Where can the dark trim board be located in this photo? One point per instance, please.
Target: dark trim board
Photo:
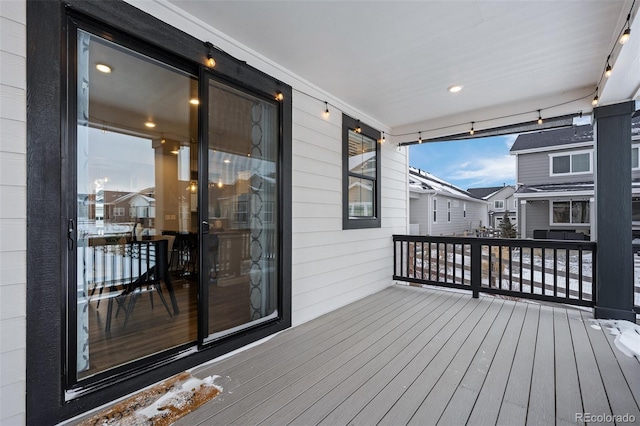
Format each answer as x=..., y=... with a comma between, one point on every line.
x=48, y=210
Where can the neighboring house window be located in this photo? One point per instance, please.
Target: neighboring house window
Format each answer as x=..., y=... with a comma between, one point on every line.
x=515, y=204
x=241, y=212
x=448, y=211
x=635, y=151
x=498, y=204
x=435, y=210
x=569, y=212
x=574, y=163
x=118, y=211
x=132, y=212
x=464, y=209
x=361, y=175
x=267, y=212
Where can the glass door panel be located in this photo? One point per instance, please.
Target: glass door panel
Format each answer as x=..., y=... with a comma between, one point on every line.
x=137, y=210
x=241, y=247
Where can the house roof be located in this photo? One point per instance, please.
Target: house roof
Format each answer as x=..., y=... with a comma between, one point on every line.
x=566, y=136
x=555, y=187
x=421, y=181
x=484, y=193
x=567, y=187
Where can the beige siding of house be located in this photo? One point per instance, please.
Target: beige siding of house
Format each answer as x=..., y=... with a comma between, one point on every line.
x=13, y=190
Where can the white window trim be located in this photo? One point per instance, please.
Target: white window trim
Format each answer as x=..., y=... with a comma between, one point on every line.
x=498, y=208
x=571, y=154
x=636, y=145
x=571, y=224
x=448, y=211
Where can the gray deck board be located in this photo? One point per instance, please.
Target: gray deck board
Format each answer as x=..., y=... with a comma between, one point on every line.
x=542, y=407
x=459, y=407
x=432, y=407
x=620, y=397
x=347, y=408
x=286, y=404
x=379, y=406
x=594, y=397
x=420, y=356
x=310, y=364
x=487, y=406
x=568, y=395
x=515, y=402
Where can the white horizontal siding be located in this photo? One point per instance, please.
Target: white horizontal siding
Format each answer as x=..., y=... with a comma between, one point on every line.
x=13, y=224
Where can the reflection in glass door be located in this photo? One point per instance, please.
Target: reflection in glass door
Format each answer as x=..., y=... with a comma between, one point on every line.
x=241, y=245
x=136, y=207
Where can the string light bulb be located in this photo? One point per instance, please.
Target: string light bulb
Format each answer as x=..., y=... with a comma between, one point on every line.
x=358, y=129
x=471, y=132
x=419, y=137
x=627, y=33
x=210, y=61
x=383, y=139
x=326, y=110
x=608, y=71
x=595, y=100
x=279, y=96
x=539, y=117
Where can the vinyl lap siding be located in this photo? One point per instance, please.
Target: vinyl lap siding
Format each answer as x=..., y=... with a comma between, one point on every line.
x=331, y=266
x=12, y=212
x=533, y=169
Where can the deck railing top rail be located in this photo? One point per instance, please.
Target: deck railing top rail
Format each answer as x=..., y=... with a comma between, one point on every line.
x=548, y=270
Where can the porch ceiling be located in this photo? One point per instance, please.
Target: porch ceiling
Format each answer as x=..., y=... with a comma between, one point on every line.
x=394, y=60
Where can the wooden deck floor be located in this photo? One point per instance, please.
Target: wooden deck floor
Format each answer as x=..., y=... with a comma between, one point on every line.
x=419, y=356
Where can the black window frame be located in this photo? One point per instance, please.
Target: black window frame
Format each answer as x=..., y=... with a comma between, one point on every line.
x=349, y=123
x=49, y=202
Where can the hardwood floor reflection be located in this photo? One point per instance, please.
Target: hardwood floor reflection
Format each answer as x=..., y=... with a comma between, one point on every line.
x=151, y=330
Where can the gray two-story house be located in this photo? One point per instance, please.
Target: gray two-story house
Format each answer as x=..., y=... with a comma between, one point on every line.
x=501, y=201
x=555, y=182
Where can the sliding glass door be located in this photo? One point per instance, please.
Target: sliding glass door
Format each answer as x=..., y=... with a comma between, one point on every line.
x=136, y=206
x=241, y=235
x=173, y=237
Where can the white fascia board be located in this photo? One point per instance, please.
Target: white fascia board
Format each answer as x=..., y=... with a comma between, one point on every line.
x=554, y=194
x=553, y=148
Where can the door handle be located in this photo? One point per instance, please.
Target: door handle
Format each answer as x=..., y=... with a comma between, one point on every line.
x=205, y=227
x=70, y=234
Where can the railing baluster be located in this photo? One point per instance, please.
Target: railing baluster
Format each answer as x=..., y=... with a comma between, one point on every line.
x=422, y=260
x=544, y=271
x=567, y=272
x=510, y=268
x=521, y=275
x=555, y=272
x=580, y=275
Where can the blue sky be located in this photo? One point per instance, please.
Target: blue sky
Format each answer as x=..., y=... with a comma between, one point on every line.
x=470, y=163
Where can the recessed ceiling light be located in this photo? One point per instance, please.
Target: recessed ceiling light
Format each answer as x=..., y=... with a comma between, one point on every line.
x=227, y=161
x=456, y=88
x=176, y=151
x=194, y=101
x=150, y=124
x=103, y=68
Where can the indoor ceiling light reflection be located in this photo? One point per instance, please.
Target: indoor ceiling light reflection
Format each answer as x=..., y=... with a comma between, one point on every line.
x=150, y=124
x=194, y=101
x=103, y=68
x=455, y=88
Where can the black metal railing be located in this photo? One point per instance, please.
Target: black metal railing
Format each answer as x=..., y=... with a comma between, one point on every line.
x=547, y=270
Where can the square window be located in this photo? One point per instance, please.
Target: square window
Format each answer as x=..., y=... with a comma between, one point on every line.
x=561, y=164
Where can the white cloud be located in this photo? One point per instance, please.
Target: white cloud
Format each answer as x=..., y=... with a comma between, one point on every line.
x=487, y=171
x=509, y=140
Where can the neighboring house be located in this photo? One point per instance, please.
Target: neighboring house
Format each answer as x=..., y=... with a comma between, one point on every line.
x=437, y=207
x=555, y=179
x=501, y=201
